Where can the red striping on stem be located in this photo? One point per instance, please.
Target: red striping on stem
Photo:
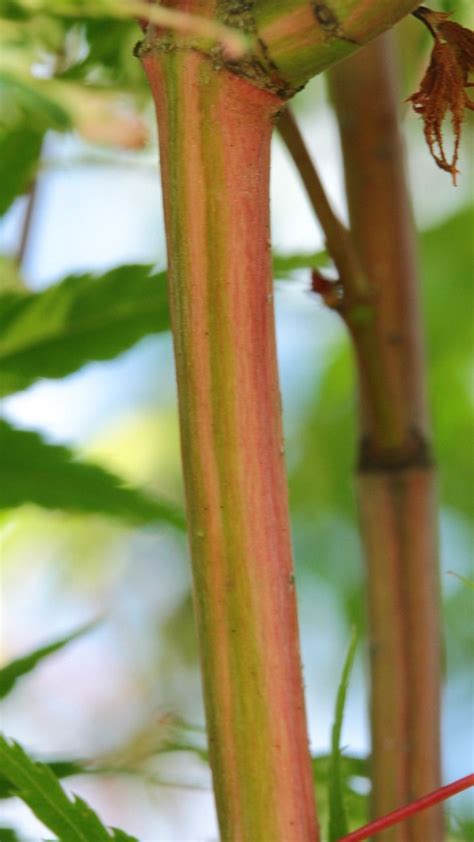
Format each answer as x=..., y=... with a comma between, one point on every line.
x=403, y=813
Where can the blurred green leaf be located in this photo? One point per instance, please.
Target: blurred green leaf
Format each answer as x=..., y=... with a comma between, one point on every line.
x=26, y=104
x=82, y=318
x=10, y=673
x=447, y=252
x=96, y=45
x=26, y=115
x=48, y=475
x=20, y=149
x=338, y=823
x=354, y=774
x=351, y=765
x=325, y=442
x=72, y=820
x=285, y=264
x=7, y=834
x=11, y=279
x=12, y=10
x=109, y=58
x=461, y=10
x=59, y=768
x=461, y=829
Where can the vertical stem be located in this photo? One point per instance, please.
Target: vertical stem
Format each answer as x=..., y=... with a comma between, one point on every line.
x=215, y=132
x=396, y=477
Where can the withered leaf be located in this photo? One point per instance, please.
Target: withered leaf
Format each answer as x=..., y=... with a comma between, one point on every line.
x=443, y=89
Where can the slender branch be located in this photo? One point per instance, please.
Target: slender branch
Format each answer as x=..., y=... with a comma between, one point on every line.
x=397, y=816
x=27, y=225
x=338, y=238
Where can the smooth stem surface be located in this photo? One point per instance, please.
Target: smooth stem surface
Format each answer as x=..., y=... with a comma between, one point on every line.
x=396, y=479
x=215, y=134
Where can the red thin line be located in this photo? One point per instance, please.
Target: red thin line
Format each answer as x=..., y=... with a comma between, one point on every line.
x=404, y=812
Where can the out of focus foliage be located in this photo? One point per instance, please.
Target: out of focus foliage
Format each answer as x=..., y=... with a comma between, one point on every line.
x=66, y=68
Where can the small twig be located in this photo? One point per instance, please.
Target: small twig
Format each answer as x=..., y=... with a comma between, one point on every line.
x=338, y=238
x=403, y=813
x=27, y=225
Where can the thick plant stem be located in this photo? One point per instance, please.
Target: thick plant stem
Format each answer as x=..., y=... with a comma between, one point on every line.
x=215, y=132
x=277, y=44
x=396, y=478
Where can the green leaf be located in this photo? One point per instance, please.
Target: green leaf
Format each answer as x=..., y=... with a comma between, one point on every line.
x=285, y=264
x=27, y=113
x=26, y=103
x=10, y=673
x=71, y=820
x=461, y=828
x=82, y=318
x=338, y=824
x=48, y=475
x=7, y=834
x=12, y=10
x=59, y=768
x=20, y=150
x=11, y=279
x=447, y=252
x=352, y=765
x=107, y=61
x=354, y=771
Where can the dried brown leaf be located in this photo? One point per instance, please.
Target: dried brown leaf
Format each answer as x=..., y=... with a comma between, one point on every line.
x=443, y=88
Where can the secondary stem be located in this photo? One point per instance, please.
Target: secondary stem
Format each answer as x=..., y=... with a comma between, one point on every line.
x=337, y=237
x=215, y=132
x=396, y=477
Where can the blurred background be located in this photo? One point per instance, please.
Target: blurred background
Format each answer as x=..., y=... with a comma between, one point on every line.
x=79, y=174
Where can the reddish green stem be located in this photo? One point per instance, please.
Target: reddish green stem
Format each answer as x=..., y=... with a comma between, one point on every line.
x=396, y=483
x=215, y=132
x=397, y=816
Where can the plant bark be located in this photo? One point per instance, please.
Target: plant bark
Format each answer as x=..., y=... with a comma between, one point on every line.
x=396, y=483
x=215, y=132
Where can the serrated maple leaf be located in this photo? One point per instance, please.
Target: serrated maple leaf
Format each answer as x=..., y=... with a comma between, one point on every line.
x=443, y=87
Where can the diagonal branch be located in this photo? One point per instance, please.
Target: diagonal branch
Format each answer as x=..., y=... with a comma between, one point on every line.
x=403, y=813
x=338, y=238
